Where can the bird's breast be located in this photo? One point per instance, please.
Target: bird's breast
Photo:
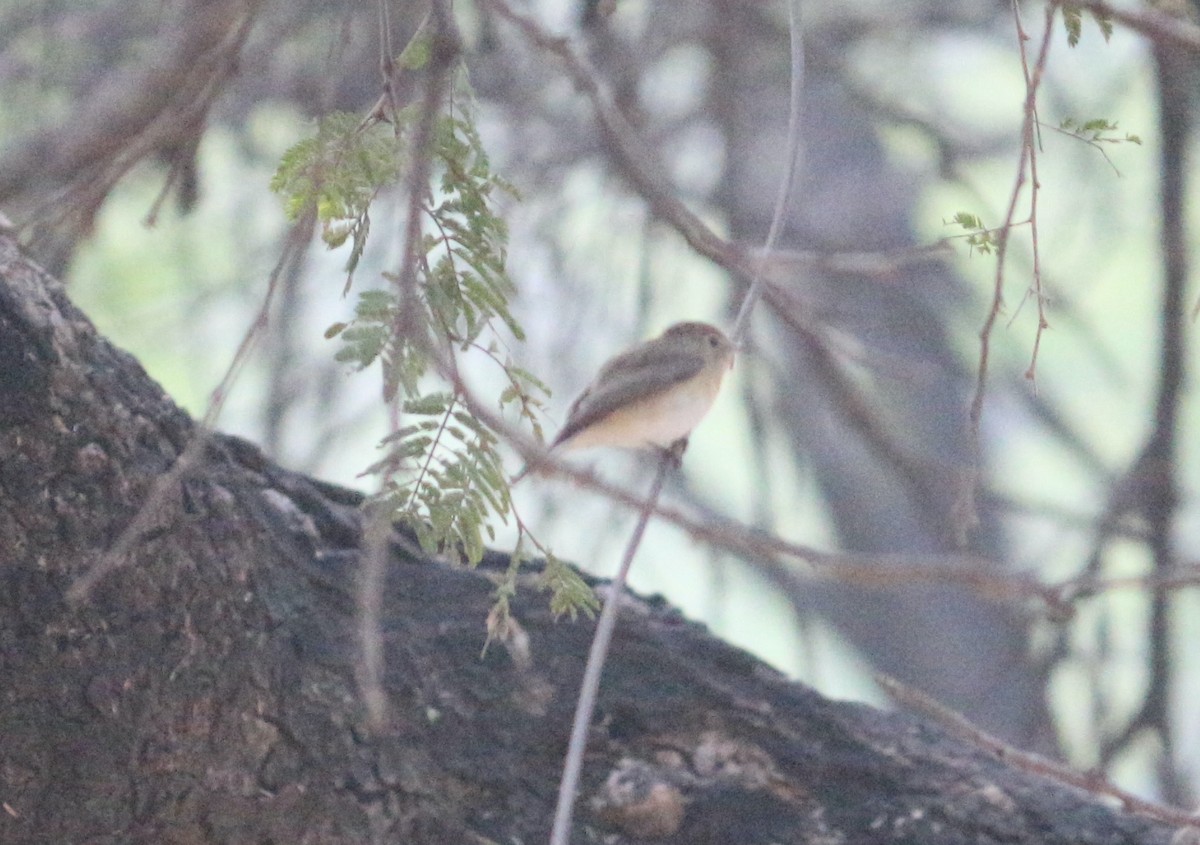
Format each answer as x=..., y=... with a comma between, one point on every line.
x=657, y=420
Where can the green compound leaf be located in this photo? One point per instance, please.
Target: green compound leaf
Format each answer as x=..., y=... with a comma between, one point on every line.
x=441, y=472
x=1073, y=23
x=978, y=237
x=569, y=594
x=337, y=173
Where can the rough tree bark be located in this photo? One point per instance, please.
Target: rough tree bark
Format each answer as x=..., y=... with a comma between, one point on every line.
x=206, y=690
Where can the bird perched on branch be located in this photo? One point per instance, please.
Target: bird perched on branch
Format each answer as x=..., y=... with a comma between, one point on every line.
x=650, y=396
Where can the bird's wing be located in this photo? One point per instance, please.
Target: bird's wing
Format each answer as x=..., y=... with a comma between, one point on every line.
x=626, y=379
x=633, y=359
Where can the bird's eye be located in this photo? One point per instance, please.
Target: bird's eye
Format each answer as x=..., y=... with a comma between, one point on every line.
x=713, y=341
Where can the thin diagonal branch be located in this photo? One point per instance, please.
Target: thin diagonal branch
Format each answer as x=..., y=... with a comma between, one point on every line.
x=590, y=686
x=965, y=514
x=794, y=159
x=160, y=495
x=1033, y=763
x=446, y=47
x=628, y=152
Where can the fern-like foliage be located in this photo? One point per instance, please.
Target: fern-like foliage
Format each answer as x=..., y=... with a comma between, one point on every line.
x=463, y=282
x=441, y=472
x=468, y=284
x=443, y=477
x=337, y=173
x=1073, y=23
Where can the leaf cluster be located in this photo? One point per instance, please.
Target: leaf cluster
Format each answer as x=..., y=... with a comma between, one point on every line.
x=1098, y=130
x=443, y=477
x=1073, y=23
x=462, y=281
x=465, y=254
x=441, y=471
x=978, y=237
x=337, y=173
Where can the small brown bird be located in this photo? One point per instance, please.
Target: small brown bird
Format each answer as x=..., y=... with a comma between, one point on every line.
x=652, y=395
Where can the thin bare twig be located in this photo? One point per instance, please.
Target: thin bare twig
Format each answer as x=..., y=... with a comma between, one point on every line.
x=1091, y=782
x=872, y=571
x=1035, y=187
x=965, y=514
x=152, y=107
x=627, y=150
x=157, y=502
x=794, y=159
x=187, y=120
x=1094, y=143
x=1157, y=25
x=589, y=688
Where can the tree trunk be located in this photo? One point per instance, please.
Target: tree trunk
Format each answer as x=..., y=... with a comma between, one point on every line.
x=205, y=690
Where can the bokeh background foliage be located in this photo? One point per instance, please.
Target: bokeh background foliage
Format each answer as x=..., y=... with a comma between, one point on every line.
x=139, y=141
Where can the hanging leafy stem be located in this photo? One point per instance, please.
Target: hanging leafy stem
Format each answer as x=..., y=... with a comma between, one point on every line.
x=339, y=171
x=441, y=471
x=1073, y=23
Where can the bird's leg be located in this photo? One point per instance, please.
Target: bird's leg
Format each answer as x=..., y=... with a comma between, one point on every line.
x=674, y=452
